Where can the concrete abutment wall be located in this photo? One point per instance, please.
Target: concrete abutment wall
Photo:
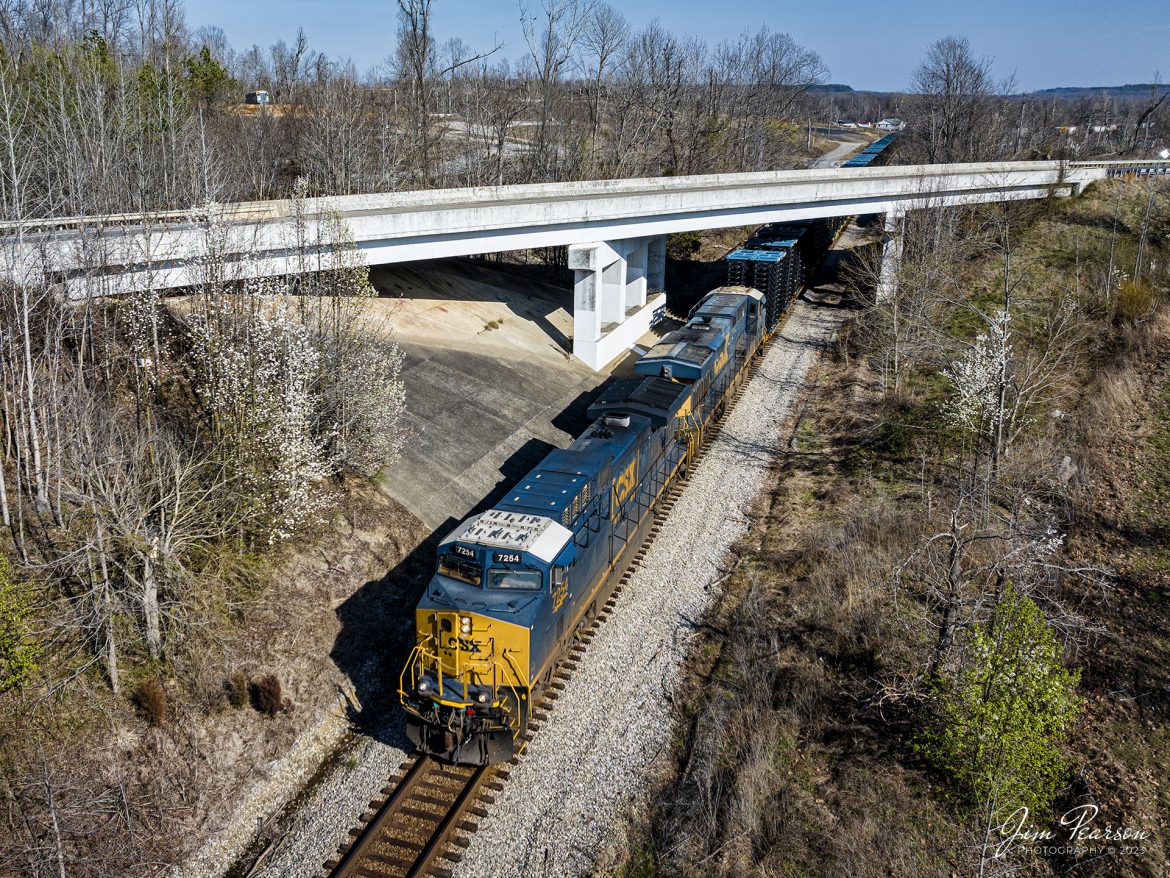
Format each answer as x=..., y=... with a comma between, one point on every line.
x=612, y=305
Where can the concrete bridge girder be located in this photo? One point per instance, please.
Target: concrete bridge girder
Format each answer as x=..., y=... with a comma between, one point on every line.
x=408, y=226
x=267, y=251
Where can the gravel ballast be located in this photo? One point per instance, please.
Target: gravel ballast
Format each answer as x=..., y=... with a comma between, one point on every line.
x=323, y=820
x=559, y=812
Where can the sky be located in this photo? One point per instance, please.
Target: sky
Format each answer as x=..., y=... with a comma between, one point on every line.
x=868, y=44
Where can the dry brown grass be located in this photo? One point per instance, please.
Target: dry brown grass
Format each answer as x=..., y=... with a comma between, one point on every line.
x=1118, y=389
x=1136, y=300
x=786, y=765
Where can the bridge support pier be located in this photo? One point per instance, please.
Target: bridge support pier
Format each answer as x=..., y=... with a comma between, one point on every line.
x=887, y=283
x=611, y=304
x=656, y=264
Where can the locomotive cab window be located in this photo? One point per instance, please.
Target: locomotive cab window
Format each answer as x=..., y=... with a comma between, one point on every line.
x=524, y=579
x=457, y=568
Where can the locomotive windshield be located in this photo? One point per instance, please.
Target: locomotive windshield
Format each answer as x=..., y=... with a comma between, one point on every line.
x=526, y=579
x=457, y=568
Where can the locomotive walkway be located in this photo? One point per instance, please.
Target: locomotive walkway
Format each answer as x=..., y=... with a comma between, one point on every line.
x=615, y=229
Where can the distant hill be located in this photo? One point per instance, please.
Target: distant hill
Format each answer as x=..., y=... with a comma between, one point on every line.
x=1068, y=92
x=1132, y=90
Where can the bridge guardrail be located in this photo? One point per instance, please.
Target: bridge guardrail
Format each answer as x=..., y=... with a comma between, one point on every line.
x=1122, y=167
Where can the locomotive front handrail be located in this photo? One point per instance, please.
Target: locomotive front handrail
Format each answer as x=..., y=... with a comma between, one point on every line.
x=408, y=668
x=522, y=678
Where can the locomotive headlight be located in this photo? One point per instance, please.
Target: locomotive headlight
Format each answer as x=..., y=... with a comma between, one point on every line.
x=423, y=685
x=465, y=624
x=481, y=698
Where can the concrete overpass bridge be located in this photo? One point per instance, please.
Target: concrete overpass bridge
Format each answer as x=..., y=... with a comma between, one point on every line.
x=615, y=229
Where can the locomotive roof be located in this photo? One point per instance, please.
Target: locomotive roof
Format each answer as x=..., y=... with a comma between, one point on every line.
x=691, y=345
x=725, y=302
x=731, y=293
x=656, y=398
x=688, y=349
x=560, y=486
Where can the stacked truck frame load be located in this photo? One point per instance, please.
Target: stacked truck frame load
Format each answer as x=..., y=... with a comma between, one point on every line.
x=810, y=239
x=781, y=258
x=877, y=153
x=777, y=273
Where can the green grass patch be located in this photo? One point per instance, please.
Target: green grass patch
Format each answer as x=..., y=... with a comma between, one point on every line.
x=807, y=438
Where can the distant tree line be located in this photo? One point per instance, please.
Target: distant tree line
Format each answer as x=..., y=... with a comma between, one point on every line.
x=957, y=110
x=118, y=106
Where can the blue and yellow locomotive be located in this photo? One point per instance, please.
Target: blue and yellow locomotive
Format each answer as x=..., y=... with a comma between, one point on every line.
x=513, y=585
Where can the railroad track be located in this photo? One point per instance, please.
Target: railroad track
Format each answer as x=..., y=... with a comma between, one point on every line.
x=431, y=808
x=422, y=824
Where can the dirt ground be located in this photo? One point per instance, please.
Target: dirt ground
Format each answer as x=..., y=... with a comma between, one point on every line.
x=1125, y=734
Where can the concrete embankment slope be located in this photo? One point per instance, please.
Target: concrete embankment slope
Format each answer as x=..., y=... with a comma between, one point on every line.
x=490, y=385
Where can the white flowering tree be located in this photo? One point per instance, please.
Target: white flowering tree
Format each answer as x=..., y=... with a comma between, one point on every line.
x=256, y=366
x=1001, y=389
x=297, y=382
x=361, y=398
x=979, y=378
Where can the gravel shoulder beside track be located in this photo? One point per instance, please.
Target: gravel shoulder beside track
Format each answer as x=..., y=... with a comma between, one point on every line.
x=558, y=813
x=323, y=818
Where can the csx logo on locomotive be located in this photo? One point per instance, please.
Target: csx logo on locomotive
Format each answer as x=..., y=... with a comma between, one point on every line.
x=560, y=592
x=454, y=642
x=722, y=360
x=624, y=485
